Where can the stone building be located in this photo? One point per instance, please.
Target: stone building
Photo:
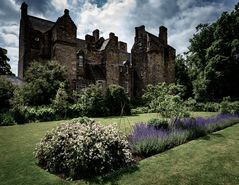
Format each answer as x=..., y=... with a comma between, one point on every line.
x=95, y=59
x=153, y=60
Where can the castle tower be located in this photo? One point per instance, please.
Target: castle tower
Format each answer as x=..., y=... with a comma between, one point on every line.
x=64, y=45
x=153, y=60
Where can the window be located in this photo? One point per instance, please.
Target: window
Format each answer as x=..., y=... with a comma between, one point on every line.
x=37, y=39
x=127, y=87
x=80, y=60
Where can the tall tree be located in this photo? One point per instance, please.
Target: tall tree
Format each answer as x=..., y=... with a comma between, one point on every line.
x=5, y=68
x=182, y=75
x=43, y=81
x=214, y=58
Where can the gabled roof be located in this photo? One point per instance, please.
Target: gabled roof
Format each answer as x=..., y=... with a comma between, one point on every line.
x=154, y=42
x=39, y=24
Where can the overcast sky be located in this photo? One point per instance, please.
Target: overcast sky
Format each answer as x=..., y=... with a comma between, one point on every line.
x=118, y=16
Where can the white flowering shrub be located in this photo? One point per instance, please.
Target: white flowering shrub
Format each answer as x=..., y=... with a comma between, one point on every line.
x=83, y=148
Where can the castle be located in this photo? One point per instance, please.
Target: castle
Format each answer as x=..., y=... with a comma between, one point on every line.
x=95, y=59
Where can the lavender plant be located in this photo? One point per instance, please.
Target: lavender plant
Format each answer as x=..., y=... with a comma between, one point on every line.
x=146, y=140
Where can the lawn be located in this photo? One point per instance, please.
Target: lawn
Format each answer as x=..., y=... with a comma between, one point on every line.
x=209, y=160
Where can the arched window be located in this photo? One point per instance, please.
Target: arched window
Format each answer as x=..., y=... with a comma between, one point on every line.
x=80, y=57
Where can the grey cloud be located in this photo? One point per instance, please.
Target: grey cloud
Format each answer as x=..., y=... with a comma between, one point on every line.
x=7, y=12
x=37, y=6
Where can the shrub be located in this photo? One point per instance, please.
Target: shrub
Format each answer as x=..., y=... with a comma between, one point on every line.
x=146, y=140
x=193, y=105
x=6, y=119
x=140, y=110
x=159, y=123
x=24, y=114
x=166, y=100
x=60, y=103
x=83, y=148
x=228, y=107
x=117, y=101
x=6, y=92
x=91, y=101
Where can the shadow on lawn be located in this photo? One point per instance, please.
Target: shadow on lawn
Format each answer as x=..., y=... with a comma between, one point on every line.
x=112, y=178
x=208, y=137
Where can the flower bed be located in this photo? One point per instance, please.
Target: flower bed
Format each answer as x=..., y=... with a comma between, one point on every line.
x=146, y=140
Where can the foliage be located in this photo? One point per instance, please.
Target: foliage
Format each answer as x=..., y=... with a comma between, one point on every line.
x=213, y=58
x=193, y=105
x=201, y=126
x=159, y=123
x=6, y=92
x=43, y=81
x=117, y=101
x=140, y=110
x=182, y=75
x=60, y=103
x=166, y=100
x=90, y=101
x=146, y=140
x=6, y=119
x=25, y=114
x=83, y=149
x=228, y=107
x=5, y=68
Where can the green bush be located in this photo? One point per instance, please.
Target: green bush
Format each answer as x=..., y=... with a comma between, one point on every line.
x=140, y=110
x=228, y=107
x=117, y=101
x=6, y=119
x=84, y=148
x=159, y=123
x=91, y=101
x=6, y=92
x=193, y=105
x=166, y=100
x=26, y=114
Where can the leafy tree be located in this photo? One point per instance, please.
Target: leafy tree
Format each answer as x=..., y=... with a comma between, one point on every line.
x=182, y=75
x=5, y=68
x=60, y=103
x=92, y=101
x=166, y=100
x=213, y=58
x=6, y=92
x=117, y=100
x=43, y=81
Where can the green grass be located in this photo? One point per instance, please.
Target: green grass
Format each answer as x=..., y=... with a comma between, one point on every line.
x=209, y=160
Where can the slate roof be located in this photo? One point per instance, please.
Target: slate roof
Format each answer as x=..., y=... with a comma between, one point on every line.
x=39, y=24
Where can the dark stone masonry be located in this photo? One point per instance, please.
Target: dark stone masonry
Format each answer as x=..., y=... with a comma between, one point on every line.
x=95, y=59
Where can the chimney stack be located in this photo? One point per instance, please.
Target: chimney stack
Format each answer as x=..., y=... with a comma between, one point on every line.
x=66, y=12
x=163, y=35
x=96, y=35
x=24, y=7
